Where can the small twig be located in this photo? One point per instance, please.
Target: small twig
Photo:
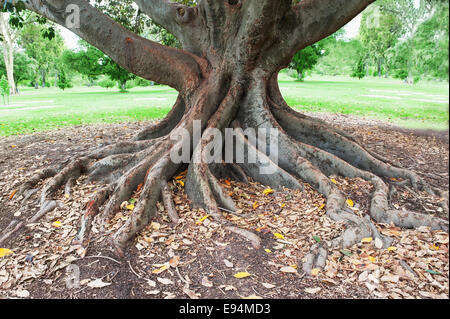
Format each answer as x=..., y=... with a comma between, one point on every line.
x=106, y=257
x=132, y=270
x=181, y=277
x=233, y=213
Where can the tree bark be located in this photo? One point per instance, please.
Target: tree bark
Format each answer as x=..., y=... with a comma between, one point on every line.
x=226, y=76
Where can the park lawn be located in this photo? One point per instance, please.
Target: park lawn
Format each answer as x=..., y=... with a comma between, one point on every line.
x=413, y=106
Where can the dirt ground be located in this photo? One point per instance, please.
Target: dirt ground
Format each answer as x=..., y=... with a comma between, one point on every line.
x=198, y=258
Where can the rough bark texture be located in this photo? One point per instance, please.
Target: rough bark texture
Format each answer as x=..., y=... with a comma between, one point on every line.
x=226, y=75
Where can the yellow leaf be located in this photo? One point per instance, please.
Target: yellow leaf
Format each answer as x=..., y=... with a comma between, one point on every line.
x=160, y=270
x=322, y=206
x=372, y=259
x=181, y=183
x=267, y=250
x=13, y=146
x=253, y=297
x=315, y=271
x=350, y=203
x=392, y=248
x=333, y=181
x=57, y=224
x=277, y=235
x=294, y=266
x=255, y=205
x=367, y=240
x=240, y=275
x=201, y=220
x=130, y=207
x=5, y=252
x=434, y=247
x=268, y=191
x=283, y=205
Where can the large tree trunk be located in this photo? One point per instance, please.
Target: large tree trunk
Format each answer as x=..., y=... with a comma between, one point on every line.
x=227, y=79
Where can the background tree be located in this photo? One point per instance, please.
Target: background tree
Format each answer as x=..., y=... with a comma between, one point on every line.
x=87, y=61
x=307, y=58
x=25, y=68
x=226, y=75
x=8, y=40
x=43, y=50
x=379, y=32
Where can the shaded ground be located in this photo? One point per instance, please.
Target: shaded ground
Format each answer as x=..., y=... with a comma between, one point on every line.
x=198, y=258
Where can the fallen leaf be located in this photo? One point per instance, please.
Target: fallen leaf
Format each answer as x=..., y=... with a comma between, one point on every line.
x=392, y=248
x=288, y=269
x=267, y=250
x=181, y=183
x=160, y=270
x=130, y=206
x=333, y=181
x=313, y=290
x=206, y=282
x=268, y=191
x=201, y=220
x=12, y=194
x=267, y=285
x=228, y=263
x=378, y=243
x=322, y=206
x=174, y=261
x=57, y=224
x=255, y=205
x=315, y=271
x=367, y=240
x=390, y=278
x=98, y=283
x=22, y=293
x=5, y=252
x=316, y=238
x=240, y=275
x=165, y=281
x=191, y=294
x=252, y=297
x=278, y=235
x=346, y=252
x=350, y=203
x=434, y=247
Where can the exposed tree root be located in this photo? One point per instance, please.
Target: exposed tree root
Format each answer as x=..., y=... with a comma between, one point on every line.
x=308, y=149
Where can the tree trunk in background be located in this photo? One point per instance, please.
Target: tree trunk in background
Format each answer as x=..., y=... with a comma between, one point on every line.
x=8, y=50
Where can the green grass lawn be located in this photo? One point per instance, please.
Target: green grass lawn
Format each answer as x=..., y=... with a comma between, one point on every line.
x=417, y=106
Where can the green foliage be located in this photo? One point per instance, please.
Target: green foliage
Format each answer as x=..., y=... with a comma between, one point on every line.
x=340, y=57
x=307, y=58
x=43, y=50
x=106, y=83
x=359, y=71
x=379, y=31
x=4, y=89
x=63, y=81
x=87, y=61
